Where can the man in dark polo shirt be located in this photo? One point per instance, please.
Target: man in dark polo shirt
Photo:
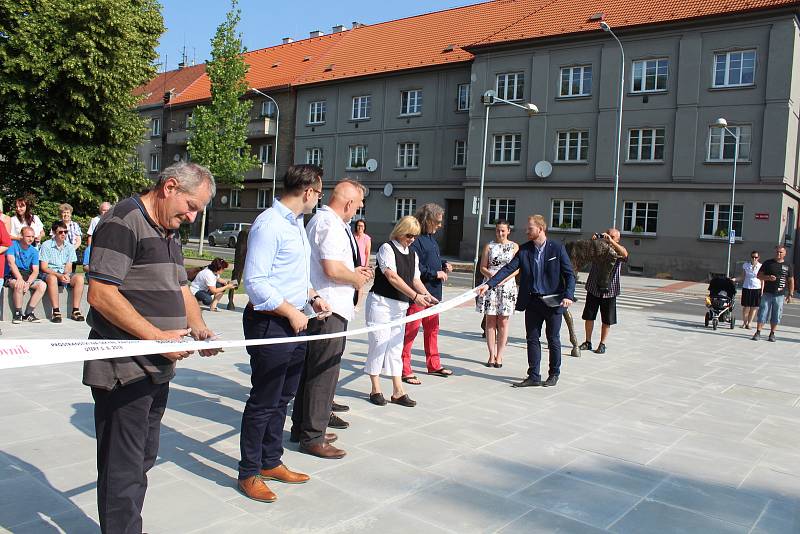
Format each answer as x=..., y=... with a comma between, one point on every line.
x=139, y=290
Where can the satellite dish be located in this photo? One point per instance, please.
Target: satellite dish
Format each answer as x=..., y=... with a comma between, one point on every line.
x=543, y=169
x=372, y=164
x=224, y=200
x=387, y=190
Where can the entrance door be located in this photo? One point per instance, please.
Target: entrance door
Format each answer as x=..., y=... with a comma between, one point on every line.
x=454, y=226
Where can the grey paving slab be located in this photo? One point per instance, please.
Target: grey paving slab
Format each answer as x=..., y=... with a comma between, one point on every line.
x=386, y=520
x=778, y=518
x=650, y=517
x=543, y=522
x=490, y=473
x=622, y=476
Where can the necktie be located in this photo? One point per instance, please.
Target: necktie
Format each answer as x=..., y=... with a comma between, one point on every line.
x=356, y=257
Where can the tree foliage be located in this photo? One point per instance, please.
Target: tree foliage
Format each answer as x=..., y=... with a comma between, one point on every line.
x=218, y=136
x=68, y=68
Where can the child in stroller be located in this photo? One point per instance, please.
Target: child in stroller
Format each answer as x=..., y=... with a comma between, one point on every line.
x=720, y=302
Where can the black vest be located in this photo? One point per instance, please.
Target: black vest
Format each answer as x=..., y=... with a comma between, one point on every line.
x=405, y=269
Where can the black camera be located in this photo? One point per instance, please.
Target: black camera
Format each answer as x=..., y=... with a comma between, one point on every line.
x=598, y=235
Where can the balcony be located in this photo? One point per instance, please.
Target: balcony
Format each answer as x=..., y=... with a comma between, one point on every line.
x=177, y=137
x=261, y=172
x=261, y=127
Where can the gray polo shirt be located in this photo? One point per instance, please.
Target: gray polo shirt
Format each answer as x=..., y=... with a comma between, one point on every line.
x=145, y=262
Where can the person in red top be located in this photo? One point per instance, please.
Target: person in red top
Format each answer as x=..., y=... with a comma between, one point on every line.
x=5, y=242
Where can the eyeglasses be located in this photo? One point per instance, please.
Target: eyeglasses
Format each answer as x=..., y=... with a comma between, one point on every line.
x=411, y=236
x=754, y=257
x=318, y=191
x=62, y=232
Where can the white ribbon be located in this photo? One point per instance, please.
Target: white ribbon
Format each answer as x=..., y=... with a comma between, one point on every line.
x=27, y=353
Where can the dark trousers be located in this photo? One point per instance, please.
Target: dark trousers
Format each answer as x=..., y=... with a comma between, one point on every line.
x=275, y=373
x=127, y=421
x=537, y=313
x=312, y=407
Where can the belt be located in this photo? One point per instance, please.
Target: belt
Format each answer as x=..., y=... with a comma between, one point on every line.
x=266, y=312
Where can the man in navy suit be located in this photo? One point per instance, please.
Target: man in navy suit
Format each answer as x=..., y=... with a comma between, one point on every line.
x=546, y=289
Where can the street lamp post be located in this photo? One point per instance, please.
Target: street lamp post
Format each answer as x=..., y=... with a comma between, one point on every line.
x=277, y=131
x=607, y=28
x=722, y=123
x=488, y=99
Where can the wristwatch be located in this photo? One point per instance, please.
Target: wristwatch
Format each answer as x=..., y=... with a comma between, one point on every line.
x=312, y=299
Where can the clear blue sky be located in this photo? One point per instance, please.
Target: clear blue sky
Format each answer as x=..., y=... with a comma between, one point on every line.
x=265, y=22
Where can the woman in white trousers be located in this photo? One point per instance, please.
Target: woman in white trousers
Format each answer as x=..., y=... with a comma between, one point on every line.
x=397, y=283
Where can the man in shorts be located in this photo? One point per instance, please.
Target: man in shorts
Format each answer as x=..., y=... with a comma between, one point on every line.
x=22, y=275
x=778, y=278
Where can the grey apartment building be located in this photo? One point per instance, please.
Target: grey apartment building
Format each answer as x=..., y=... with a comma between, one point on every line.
x=416, y=135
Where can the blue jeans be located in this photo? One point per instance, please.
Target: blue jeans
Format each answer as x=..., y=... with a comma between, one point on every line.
x=537, y=313
x=771, y=308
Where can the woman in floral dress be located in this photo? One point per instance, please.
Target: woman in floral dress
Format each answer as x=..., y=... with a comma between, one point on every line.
x=498, y=303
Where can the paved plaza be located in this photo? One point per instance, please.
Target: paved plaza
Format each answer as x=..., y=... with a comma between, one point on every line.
x=675, y=429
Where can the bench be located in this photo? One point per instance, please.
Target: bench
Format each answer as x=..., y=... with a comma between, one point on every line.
x=43, y=310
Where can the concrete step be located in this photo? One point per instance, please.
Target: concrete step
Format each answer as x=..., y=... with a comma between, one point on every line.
x=43, y=310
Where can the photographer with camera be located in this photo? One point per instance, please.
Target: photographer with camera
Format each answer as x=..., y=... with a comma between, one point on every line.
x=605, y=301
x=208, y=288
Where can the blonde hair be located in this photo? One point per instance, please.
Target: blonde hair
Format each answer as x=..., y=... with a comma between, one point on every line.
x=407, y=225
x=64, y=207
x=539, y=221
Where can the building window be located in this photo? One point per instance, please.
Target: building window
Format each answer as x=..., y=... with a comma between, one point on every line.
x=266, y=154
x=734, y=69
x=576, y=81
x=460, y=159
x=267, y=108
x=511, y=85
x=360, y=213
x=722, y=145
x=316, y=112
x=790, y=228
x=640, y=217
x=403, y=207
x=650, y=75
x=464, y=96
x=314, y=156
x=507, y=148
x=187, y=121
x=357, y=157
x=573, y=146
x=646, y=144
x=567, y=214
x=716, y=218
x=155, y=126
x=411, y=102
x=263, y=199
x=501, y=209
x=408, y=155
x=361, y=107
x=155, y=162
x=235, y=201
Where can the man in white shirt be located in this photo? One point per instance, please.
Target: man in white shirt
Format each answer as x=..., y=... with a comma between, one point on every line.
x=104, y=207
x=334, y=257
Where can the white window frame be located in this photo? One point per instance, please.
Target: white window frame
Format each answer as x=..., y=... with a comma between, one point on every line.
x=266, y=153
x=314, y=156
x=460, y=155
x=728, y=58
x=155, y=126
x=155, y=162
x=718, y=223
x=719, y=139
x=362, y=108
x=361, y=213
x=317, y=111
x=641, y=67
x=411, y=102
x=236, y=200
x=407, y=155
x=646, y=135
x=575, y=207
x=464, y=97
x=404, y=206
x=571, y=71
x=629, y=222
x=268, y=108
x=510, y=85
x=263, y=199
x=508, y=142
x=353, y=152
x=582, y=138
x=501, y=208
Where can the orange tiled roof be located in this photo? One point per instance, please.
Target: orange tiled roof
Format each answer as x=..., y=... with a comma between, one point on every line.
x=175, y=80
x=445, y=37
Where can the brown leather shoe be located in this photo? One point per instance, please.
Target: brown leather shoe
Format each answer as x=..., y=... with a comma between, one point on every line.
x=255, y=488
x=323, y=450
x=330, y=437
x=284, y=474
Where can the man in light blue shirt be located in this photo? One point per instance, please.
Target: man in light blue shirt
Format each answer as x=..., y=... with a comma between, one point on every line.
x=277, y=282
x=56, y=258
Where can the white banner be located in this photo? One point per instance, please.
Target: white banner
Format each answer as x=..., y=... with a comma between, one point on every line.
x=27, y=353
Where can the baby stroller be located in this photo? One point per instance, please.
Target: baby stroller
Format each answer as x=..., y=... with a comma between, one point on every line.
x=720, y=302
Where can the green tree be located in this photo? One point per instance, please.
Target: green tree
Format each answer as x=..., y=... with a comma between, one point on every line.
x=218, y=136
x=68, y=68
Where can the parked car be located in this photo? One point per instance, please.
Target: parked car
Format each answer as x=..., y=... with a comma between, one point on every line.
x=227, y=234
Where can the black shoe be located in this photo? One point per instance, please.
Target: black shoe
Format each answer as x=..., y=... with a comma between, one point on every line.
x=771, y=337
x=31, y=318
x=497, y=365
x=335, y=407
x=527, y=383
x=405, y=400
x=377, y=399
x=601, y=349
x=552, y=380
x=336, y=422
x=489, y=364
x=17, y=318
x=756, y=336
x=586, y=345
